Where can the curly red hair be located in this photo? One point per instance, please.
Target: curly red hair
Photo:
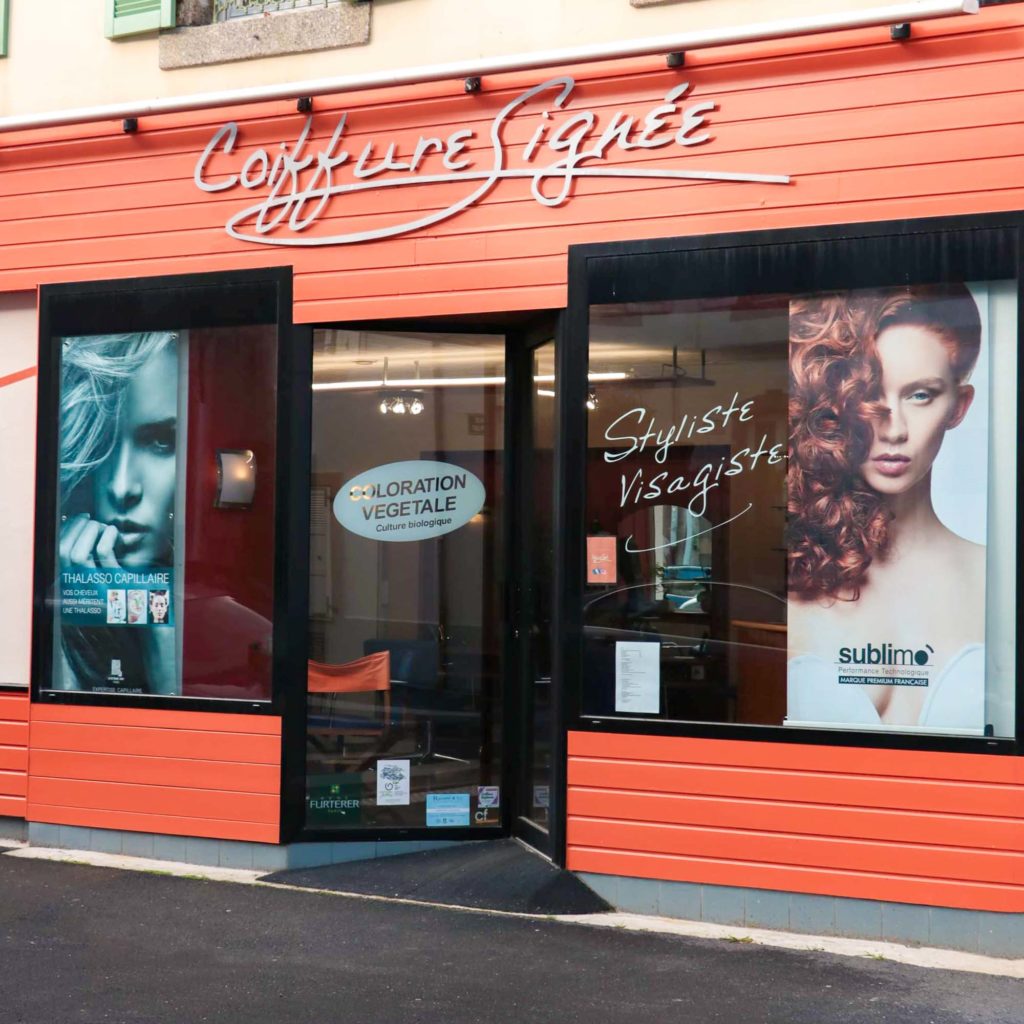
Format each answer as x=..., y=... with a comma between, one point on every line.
x=838, y=525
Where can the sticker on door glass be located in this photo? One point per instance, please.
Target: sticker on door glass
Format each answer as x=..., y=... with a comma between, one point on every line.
x=405, y=501
x=488, y=796
x=602, y=566
x=392, y=783
x=447, y=810
x=637, y=677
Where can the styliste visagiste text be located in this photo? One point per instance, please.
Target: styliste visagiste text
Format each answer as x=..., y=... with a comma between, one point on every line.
x=648, y=435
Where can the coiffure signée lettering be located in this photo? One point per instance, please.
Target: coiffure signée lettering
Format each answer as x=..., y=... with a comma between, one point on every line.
x=409, y=501
x=302, y=185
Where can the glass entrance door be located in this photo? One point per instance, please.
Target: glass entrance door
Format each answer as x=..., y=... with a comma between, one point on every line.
x=533, y=537
x=407, y=622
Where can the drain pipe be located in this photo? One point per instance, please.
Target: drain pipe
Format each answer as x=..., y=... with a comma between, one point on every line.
x=898, y=15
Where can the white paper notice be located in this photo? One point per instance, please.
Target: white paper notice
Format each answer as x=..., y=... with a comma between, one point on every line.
x=392, y=783
x=638, y=677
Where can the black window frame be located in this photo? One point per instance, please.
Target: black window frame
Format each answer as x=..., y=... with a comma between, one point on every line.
x=965, y=248
x=218, y=299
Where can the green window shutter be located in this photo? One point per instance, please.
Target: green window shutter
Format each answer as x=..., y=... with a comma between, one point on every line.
x=131, y=17
x=3, y=28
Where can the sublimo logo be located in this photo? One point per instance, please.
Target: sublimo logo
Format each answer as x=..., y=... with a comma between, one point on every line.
x=885, y=654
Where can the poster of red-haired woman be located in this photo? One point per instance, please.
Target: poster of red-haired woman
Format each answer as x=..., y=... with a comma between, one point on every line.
x=890, y=430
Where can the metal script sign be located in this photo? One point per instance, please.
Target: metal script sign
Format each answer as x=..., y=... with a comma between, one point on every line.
x=301, y=185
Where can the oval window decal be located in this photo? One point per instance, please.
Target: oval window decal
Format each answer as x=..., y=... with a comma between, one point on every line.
x=409, y=500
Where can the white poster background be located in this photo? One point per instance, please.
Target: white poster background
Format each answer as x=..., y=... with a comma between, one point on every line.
x=960, y=473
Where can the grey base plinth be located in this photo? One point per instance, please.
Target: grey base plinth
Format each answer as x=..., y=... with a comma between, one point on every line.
x=225, y=853
x=973, y=931
x=13, y=828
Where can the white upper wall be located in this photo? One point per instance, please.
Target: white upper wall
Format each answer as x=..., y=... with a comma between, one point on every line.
x=58, y=56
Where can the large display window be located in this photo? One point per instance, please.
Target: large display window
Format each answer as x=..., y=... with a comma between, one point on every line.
x=158, y=482
x=800, y=481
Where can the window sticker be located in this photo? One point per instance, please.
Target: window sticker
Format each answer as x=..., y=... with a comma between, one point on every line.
x=637, y=677
x=393, y=783
x=447, y=810
x=488, y=796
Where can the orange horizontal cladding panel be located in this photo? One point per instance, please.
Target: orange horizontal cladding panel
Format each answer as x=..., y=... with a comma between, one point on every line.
x=897, y=826
x=415, y=279
x=13, y=734
x=749, y=124
x=803, y=851
x=912, y=191
x=830, y=789
x=993, y=194
x=12, y=783
x=855, y=885
x=184, y=208
x=991, y=190
x=915, y=826
x=912, y=764
x=12, y=806
x=199, y=721
x=164, y=824
x=13, y=759
x=171, y=800
x=14, y=706
x=490, y=300
x=188, y=773
x=140, y=769
x=241, y=748
x=176, y=231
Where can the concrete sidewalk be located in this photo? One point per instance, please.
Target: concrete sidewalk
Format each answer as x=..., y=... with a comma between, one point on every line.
x=87, y=945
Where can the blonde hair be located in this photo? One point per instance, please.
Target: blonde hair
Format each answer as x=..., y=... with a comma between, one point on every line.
x=95, y=373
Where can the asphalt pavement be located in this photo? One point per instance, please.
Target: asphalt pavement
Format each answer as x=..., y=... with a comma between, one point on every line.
x=90, y=945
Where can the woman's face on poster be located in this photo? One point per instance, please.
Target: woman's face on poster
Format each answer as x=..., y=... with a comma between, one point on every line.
x=133, y=490
x=920, y=400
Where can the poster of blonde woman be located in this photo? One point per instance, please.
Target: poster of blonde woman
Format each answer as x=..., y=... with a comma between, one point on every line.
x=119, y=398
x=887, y=509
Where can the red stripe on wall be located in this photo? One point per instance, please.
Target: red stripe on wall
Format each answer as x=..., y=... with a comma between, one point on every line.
x=13, y=378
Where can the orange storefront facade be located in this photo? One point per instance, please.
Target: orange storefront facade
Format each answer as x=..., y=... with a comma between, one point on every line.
x=594, y=282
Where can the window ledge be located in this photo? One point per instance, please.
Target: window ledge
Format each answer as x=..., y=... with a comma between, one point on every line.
x=269, y=35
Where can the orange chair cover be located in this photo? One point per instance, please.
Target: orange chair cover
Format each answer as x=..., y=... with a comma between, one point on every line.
x=360, y=676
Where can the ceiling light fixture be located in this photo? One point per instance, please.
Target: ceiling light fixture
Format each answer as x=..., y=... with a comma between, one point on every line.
x=398, y=402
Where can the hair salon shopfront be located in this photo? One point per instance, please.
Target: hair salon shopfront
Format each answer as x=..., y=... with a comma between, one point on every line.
x=622, y=457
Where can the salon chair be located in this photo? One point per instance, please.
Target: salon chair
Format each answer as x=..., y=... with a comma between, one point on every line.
x=419, y=686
